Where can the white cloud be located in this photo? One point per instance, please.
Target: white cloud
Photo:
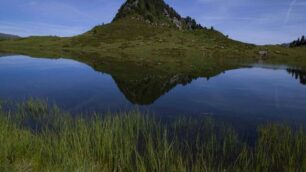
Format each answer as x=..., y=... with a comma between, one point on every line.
x=293, y=2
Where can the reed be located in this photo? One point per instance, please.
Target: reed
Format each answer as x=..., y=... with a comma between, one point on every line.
x=37, y=137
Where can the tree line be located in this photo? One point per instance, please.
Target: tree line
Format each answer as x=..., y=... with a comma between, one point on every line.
x=299, y=42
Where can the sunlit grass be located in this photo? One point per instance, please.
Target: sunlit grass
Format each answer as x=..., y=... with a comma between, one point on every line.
x=37, y=137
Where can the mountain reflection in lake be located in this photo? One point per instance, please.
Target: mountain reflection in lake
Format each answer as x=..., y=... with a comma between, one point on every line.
x=246, y=94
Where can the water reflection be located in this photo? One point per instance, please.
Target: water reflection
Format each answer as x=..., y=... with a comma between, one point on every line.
x=250, y=93
x=149, y=88
x=146, y=90
x=298, y=74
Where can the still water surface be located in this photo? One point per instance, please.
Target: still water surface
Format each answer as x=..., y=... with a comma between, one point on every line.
x=247, y=95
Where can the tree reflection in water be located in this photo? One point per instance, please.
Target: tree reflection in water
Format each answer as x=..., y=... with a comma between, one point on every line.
x=298, y=74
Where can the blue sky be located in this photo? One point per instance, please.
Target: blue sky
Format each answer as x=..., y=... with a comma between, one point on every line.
x=254, y=21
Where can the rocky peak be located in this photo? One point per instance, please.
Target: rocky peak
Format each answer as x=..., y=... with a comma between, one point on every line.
x=155, y=11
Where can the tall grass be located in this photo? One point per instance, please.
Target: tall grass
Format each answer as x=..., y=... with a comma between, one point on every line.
x=36, y=137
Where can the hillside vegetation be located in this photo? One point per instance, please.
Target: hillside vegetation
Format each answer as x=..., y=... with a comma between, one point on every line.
x=7, y=36
x=154, y=34
x=155, y=12
x=299, y=42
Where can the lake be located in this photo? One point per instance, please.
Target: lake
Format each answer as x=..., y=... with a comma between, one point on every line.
x=247, y=95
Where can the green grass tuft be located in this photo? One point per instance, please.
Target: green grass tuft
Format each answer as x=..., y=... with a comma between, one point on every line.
x=37, y=137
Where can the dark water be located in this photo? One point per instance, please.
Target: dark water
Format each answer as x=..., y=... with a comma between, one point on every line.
x=245, y=95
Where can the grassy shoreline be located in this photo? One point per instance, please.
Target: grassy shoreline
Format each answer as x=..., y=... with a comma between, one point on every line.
x=158, y=48
x=37, y=137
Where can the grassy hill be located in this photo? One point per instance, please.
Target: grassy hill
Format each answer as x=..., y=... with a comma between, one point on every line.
x=161, y=43
x=7, y=36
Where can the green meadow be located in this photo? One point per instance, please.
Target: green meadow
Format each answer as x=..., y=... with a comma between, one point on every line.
x=158, y=47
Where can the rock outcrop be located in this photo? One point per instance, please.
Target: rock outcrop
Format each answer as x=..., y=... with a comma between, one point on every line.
x=155, y=12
